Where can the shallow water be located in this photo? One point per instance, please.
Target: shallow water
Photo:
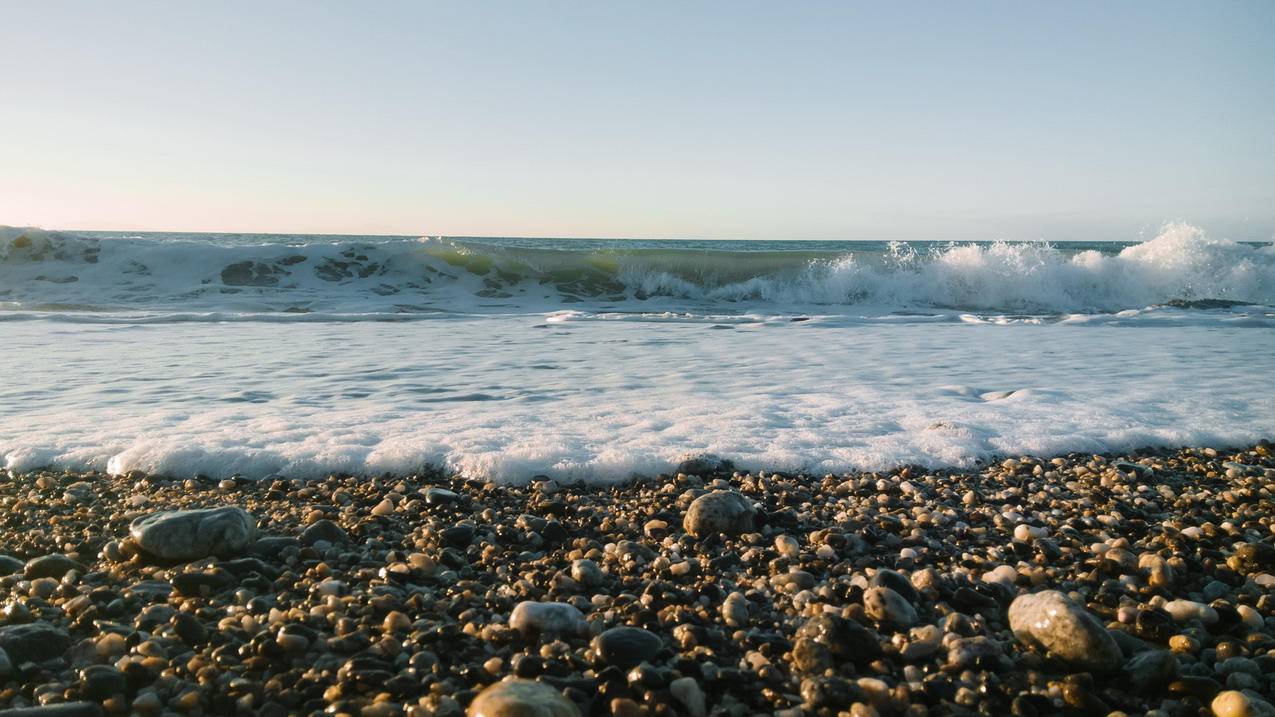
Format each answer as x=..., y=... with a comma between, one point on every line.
x=509, y=397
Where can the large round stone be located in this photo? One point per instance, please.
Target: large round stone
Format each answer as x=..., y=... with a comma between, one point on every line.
x=33, y=642
x=722, y=512
x=1051, y=622
x=547, y=618
x=627, y=647
x=194, y=534
x=514, y=697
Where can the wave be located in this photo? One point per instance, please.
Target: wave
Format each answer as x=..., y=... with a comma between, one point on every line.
x=46, y=271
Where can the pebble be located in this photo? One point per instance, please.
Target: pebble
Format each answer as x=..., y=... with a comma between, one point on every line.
x=627, y=647
x=887, y=606
x=687, y=691
x=587, y=573
x=194, y=534
x=514, y=697
x=1051, y=622
x=33, y=642
x=338, y=611
x=324, y=530
x=735, y=610
x=1187, y=610
x=720, y=512
x=547, y=619
x=50, y=566
x=1233, y=703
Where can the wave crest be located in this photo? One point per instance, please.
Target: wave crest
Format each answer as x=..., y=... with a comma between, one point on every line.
x=41, y=268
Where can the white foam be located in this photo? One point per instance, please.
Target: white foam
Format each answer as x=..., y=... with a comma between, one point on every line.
x=52, y=272
x=508, y=397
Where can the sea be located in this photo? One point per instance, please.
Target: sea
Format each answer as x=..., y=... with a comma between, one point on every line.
x=506, y=359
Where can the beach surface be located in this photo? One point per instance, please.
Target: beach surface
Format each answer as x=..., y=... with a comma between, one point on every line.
x=1082, y=584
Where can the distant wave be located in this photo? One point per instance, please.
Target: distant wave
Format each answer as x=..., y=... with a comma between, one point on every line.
x=43, y=271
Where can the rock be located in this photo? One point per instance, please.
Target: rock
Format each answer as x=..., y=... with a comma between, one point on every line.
x=33, y=642
x=194, y=534
x=66, y=709
x=886, y=578
x=735, y=610
x=888, y=607
x=50, y=566
x=98, y=682
x=515, y=697
x=271, y=546
x=324, y=530
x=551, y=619
x=189, y=629
x=10, y=565
x=6, y=666
x=627, y=647
x=687, y=691
x=847, y=639
x=703, y=465
x=722, y=512
x=1187, y=610
x=968, y=652
x=1255, y=557
x=440, y=496
x=458, y=536
x=587, y=573
x=1149, y=672
x=206, y=582
x=1050, y=621
x=1232, y=703
x=810, y=656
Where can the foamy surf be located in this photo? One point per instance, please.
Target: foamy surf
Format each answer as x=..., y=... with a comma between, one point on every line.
x=60, y=273
x=593, y=361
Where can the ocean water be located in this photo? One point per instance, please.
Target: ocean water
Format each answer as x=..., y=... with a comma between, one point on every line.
x=595, y=360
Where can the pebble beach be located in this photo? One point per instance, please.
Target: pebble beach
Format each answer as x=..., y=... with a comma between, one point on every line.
x=1141, y=583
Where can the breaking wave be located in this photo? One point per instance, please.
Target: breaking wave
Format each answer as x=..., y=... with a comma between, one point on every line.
x=45, y=271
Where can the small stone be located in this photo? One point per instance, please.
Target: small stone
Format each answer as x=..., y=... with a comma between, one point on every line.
x=33, y=642
x=687, y=691
x=627, y=647
x=324, y=530
x=1051, y=622
x=1187, y=610
x=735, y=610
x=1150, y=671
x=969, y=652
x=194, y=534
x=440, y=496
x=895, y=581
x=396, y=621
x=111, y=644
x=846, y=639
x=1232, y=703
x=787, y=546
x=550, y=619
x=720, y=512
x=50, y=566
x=587, y=573
x=10, y=565
x=385, y=507
x=888, y=607
x=515, y=697
x=98, y=682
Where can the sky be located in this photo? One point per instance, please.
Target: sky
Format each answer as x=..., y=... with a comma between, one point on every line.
x=714, y=120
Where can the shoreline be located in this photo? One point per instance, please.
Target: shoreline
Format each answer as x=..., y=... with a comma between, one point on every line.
x=894, y=592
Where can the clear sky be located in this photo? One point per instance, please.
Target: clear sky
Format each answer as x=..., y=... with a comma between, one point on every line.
x=816, y=120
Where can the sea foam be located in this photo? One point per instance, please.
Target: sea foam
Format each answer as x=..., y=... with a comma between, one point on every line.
x=64, y=273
